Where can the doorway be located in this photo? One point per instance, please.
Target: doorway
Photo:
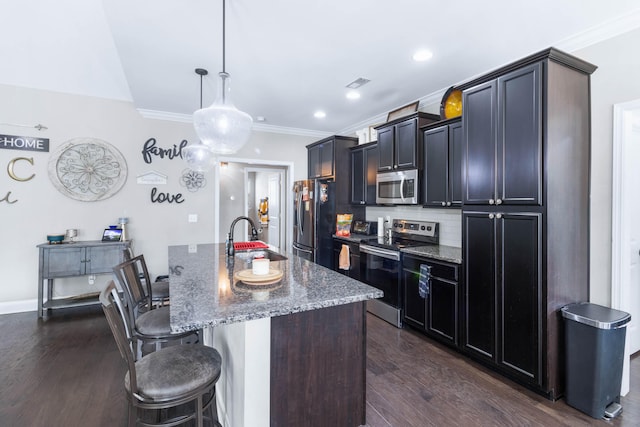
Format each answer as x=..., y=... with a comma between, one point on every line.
x=265, y=191
x=625, y=259
x=236, y=195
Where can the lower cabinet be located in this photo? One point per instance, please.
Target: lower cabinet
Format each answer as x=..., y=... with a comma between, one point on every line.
x=502, y=319
x=435, y=313
x=354, y=258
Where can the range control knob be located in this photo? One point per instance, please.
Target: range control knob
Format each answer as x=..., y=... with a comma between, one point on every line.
x=429, y=228
x=422, y=227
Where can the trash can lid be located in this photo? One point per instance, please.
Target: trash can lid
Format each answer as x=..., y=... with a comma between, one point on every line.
x=596, y=315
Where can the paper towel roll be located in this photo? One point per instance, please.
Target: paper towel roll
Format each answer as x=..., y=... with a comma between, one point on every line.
x=380, y=226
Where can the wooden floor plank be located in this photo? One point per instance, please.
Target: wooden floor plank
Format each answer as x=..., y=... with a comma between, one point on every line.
x=66, y=371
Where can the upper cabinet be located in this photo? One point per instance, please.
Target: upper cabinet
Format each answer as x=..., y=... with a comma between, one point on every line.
x=364, y=168
x=400, y=142
x=322, y=155
x=503, y=139
x=442, y=176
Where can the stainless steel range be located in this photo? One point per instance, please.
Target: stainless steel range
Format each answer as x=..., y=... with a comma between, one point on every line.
x=381, y=266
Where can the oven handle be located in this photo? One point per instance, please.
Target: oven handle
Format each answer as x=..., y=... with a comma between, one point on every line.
x=384, y=253
x=402, y=187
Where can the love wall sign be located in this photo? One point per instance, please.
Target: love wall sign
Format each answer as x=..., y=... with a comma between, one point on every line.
x=151, y=150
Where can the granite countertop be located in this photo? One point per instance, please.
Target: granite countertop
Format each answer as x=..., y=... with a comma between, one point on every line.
x=204, y=293
x=440, y=252
x=355, y=237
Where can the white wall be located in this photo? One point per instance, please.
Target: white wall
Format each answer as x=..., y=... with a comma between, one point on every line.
x=41, y=209
x=616, y=80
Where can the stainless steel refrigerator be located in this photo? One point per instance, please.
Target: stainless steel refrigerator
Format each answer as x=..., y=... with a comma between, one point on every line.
x=314, y=220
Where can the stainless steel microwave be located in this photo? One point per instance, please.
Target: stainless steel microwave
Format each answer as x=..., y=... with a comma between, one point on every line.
x=398, y=187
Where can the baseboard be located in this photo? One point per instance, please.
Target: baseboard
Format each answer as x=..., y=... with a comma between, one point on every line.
x=18, y=306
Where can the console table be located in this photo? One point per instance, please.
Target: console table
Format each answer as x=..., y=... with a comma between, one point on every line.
x=70, y=260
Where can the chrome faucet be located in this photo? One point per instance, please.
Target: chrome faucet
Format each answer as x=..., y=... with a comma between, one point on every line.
x=254, y=234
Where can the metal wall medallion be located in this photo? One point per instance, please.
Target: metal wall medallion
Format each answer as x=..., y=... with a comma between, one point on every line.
x=88, y=169
x=193, y=180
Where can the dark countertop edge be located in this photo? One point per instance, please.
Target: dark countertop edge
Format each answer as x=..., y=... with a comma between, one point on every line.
x=275, y=313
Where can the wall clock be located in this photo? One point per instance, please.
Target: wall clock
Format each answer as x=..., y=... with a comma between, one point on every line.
x=87, y=169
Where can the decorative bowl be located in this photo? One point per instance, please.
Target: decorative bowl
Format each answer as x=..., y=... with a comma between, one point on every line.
x=55, y=238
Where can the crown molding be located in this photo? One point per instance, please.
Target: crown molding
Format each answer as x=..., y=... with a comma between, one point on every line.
x=259, y=127
x=601, y=32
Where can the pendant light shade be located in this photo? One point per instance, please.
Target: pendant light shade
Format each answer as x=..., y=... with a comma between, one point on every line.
x=222, y=127
x=199, y=157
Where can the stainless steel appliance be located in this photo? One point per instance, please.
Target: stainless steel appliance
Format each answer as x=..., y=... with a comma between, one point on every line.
x=364, y=227
x=381, y=264
x=314, y=220
x=398, y=187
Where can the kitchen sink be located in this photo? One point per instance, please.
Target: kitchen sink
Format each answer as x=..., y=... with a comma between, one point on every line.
x=260, y=253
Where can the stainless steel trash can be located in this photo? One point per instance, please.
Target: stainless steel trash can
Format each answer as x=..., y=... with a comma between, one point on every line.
x=594, y=351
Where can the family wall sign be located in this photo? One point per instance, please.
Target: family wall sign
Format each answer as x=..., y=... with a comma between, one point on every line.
x=192, y=180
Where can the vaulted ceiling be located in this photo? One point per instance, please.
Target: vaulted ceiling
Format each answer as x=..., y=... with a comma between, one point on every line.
x=287, y=58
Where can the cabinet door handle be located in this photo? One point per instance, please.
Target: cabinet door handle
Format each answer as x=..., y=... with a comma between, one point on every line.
x=448, y=203
x=499, y=216
x=491, y=216
x=498, y=201
x=491, y=201
x=444, y=204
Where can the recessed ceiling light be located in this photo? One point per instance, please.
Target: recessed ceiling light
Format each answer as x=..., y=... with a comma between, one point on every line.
x=353, y=94
x=260, y=119
x=319, y=114
x=422, y=55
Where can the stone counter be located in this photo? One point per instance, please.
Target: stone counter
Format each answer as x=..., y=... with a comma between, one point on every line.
x=203, y=292
x=439, y=252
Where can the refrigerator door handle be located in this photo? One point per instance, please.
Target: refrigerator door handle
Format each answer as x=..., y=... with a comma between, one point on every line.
x=300, y=216
x=297, y=248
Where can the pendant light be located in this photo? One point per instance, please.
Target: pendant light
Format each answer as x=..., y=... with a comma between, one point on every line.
x=199, y=157
x=222, y=127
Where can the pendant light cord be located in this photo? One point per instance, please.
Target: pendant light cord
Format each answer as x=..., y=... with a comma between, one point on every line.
x=201, y=75
x=224, y=69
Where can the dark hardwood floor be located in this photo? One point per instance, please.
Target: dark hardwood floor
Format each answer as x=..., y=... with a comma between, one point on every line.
x=66, y=371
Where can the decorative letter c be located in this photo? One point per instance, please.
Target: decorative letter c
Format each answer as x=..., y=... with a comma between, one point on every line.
x=12, y=173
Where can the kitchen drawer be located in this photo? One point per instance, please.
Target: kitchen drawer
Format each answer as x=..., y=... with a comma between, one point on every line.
x=438, y=268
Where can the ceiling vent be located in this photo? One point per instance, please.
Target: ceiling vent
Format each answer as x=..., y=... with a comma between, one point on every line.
x=358, y=82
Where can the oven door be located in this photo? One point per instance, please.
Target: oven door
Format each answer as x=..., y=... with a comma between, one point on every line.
x=380, y=268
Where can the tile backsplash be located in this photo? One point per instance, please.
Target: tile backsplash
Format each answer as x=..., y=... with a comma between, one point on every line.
x=450, y=220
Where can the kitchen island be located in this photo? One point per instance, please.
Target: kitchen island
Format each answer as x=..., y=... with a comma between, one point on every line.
x=294, y=352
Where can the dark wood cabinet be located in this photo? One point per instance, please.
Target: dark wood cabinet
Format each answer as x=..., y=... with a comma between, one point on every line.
x=503, y=139
x=354, y=258
x=525, y=233
x=364, y=167
x=400, y=142
x=321, y=159
x=442, y=176
x=329, y=157
x=436, y=313
x=503, y=290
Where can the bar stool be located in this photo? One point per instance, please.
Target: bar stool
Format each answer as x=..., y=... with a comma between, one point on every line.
x=170, y=386
x=147, y=323
x=159, y=290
